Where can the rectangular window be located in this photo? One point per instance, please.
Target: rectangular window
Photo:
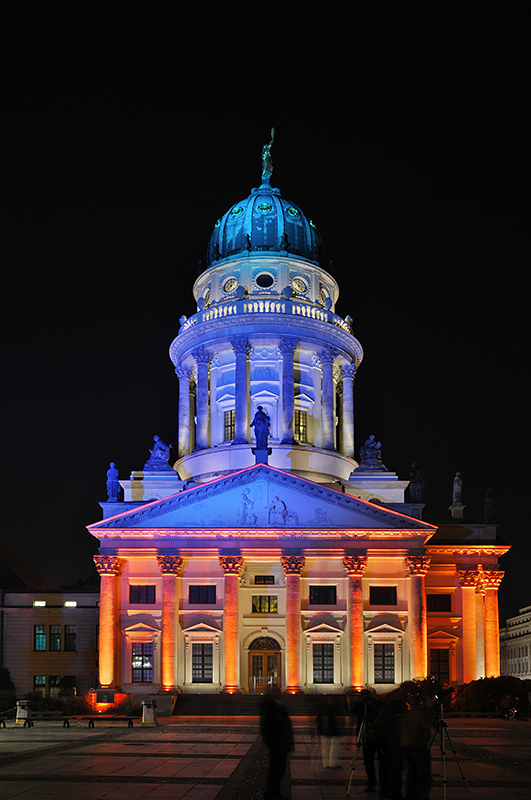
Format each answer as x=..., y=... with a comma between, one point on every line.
x=323, y=596
x=229, y=418
x=382, y=595
x=300, y=420
x=142, y=662
x=39, y=637
x=265, y=604
x=440, y=664
x=264, y=580
x=142, y=595
x=323, y=663
x=70, y=638
x=202, y=662
x=54, y=684
x=439, y=602
x=198, y=595
x=55, y=638
x=384, y=663
x=39, y=685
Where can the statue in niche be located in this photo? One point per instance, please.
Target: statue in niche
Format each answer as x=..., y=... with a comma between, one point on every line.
x=160, y=455
x=267, y=161
x=113, y=485
x=262, y=425
x=417, y=482
x=457, y=490
x=371, y=455
x=245, y=505
x=489, y=506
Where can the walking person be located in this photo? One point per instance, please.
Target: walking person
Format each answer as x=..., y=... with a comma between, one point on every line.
x=329, y=733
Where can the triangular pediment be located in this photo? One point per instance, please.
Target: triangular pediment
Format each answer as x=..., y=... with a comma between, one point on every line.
x=259, y=497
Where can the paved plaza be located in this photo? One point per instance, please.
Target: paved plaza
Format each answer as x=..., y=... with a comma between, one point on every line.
x=223, y=758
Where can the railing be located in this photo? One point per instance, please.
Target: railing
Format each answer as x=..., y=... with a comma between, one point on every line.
x=250, y=307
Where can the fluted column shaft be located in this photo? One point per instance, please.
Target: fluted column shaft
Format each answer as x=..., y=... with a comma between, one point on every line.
x=287, y=348
x=170, y=567
x=468, y=579
x=327, y=400
x=417, y=567
x=347, y=417
x=109, y=568
x=202, y=358
x=292, y=568
x=491, y=582
x=241, y=348
x=231, y=567
x=355, y=567
x=184, y=374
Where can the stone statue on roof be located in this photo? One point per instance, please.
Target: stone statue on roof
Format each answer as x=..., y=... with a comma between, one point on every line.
x=417, y=482
x=113, y=485
x=267, y=160
x=262, y=425
x=457, y=490
x=160, y=455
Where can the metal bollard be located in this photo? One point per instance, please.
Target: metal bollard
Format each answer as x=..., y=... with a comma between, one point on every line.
x=23, y=713
x=149, y=716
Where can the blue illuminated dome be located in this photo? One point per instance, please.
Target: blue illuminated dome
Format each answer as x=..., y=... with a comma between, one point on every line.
x=265, y=221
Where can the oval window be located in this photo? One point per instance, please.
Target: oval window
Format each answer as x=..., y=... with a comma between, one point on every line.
x=264, y=280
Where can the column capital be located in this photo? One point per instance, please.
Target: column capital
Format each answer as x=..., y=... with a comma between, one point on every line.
x=328, y=355
x=355, y=565
x=468, y=577
x=231, y=565
x=417, y=565
x=109, y=565
x=183, y=371
x=349, y=370
x=201, y=355
x=491, y=578
x=287, y=345
x=241, y=344
x=170, y=565
x=292, y=565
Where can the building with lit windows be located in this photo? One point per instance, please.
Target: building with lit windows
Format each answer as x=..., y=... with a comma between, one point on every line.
x=515, y=645
x=267, y=556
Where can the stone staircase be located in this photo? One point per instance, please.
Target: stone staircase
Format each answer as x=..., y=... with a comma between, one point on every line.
x=247, y=705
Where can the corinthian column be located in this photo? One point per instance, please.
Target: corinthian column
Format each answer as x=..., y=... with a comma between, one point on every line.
x=287, y=347
x=184, y=374
x=417, y=567
x=231, y=567
x=355, y=567
x=491, y=580
x=170, y=567
x=202, y=358
x=347, y=417
x=327, y=358
x=292, y=568
x=241, y=348
x=468, y=580
x=109, y=567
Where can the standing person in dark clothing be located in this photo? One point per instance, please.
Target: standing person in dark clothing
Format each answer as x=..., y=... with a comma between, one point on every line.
x=415, y=735
x=329, y=733
x=277, y=733
x=366, y=709
x=387, y=730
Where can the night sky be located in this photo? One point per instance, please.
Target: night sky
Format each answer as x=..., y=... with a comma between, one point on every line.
x=399, y=132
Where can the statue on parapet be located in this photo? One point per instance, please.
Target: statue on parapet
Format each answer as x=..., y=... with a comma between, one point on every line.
x=457, y=490
x=417, y=482
x=160, y=455
x=267, y=160
x=371, y=455
x=262, y=425
x=113, y=485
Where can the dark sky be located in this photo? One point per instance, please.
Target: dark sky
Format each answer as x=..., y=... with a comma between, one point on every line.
x=129, y=132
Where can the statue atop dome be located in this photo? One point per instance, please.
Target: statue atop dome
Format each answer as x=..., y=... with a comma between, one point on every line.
x=267, y=160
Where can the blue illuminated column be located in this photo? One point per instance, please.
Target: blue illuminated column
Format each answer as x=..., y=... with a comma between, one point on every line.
x=327, y=358
x=287, y=347
x=349, y=371
x=184, y=374
x=242, y=348
x=202, y=358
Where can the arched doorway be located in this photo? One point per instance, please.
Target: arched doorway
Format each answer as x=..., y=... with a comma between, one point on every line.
x=264, y=665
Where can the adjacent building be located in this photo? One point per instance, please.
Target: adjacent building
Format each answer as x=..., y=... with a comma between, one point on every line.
x=267, y=555
x=515, y=645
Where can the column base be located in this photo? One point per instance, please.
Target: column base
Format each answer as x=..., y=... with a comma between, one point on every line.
x=231, y=690
x=293, y=690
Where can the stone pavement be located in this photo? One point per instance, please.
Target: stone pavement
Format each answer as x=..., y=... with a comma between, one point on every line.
x=225, y=759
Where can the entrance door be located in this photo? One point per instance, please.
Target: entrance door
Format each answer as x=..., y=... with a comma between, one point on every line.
x=264, y=666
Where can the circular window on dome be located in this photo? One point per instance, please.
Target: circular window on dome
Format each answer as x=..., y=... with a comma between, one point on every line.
x=207, y=298
x=323, y=294
x=236, y=211
x=264, y=280
x=217, y=223
x=312, y=223
x=265, y=208
x=299, y=286
x=230, y=285
x=294, y=212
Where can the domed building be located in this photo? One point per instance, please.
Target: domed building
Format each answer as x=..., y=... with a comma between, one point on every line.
x=266, y=556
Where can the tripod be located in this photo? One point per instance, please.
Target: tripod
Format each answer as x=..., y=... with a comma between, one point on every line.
x=442, y=729
x=361, y=738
